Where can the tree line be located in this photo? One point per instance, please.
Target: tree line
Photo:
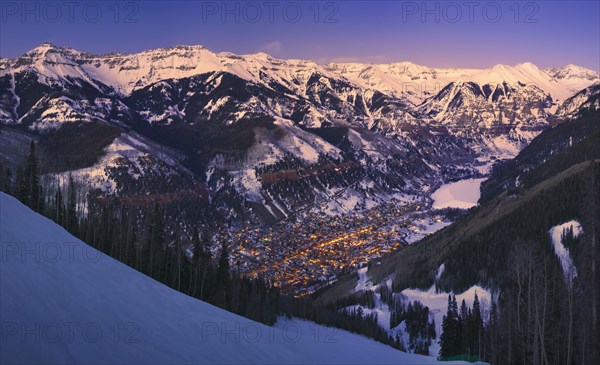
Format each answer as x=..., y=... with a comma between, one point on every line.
x=141, y=238
x=137, y=237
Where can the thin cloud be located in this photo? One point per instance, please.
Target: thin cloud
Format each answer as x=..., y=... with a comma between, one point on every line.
x=272, y=48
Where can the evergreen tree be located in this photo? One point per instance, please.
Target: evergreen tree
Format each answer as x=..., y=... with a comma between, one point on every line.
x=30, y=184
x=449, y=329
x=178, y=262
x=71, y=211
x=205, y=255
x=59, y=208
x=155, y=240
x=223, y=277
x=455, y=326
x=20, y=185
x=477, y=327
x=491, y=334
x=463, y=329
x=195, y=266
x=205, y=260
x=431, y=329
x=196, y=247
x=5, y=179
x=131, y=250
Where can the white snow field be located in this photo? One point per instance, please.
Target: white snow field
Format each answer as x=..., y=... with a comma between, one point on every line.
x=62, y=302
x=462, y=194
x=561, y=251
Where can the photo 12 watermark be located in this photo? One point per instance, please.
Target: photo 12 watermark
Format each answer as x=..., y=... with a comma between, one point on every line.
x=470, y=11
x=20, y=252
x=69, y=332
x=252, y=332
x=270, y=11
x=70, y=12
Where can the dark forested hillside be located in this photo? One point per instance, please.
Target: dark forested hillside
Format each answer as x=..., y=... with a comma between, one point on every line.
x=505, y=245
x=77, y=145
x=510, y=174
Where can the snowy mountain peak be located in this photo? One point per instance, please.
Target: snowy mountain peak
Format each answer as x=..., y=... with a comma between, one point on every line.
x=498, y=74
x=409, y=68
x=527, y=64
x=572, y=72
x=40, y=52
x=261, y=56
x=50, y=52
x=42, y=48
x=528, y=67
x=501, y=68
x=52, y=55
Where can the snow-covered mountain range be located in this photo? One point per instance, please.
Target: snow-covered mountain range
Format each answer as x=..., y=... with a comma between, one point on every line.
x=240, y=123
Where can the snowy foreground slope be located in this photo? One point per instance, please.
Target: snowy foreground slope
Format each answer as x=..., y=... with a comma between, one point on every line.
x=64, y=302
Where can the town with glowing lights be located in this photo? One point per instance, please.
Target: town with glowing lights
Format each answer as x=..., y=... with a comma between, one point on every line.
x=301, y=257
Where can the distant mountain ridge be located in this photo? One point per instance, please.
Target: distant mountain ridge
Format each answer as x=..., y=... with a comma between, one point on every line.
x=127, y=72
x=236, y=117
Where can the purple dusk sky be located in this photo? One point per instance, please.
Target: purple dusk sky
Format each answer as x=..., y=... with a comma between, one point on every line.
x=432, y=33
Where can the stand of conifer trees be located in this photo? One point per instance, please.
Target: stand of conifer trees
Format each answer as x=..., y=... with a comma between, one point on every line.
x=462, y=331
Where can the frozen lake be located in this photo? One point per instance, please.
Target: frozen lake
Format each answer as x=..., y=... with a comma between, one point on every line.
x=462, y=194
